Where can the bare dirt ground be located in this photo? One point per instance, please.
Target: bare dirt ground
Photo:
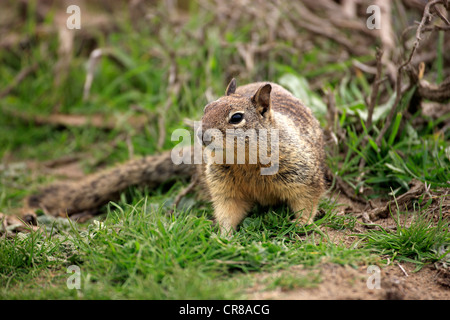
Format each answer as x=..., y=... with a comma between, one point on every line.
x=397, y=281
x=346, y=283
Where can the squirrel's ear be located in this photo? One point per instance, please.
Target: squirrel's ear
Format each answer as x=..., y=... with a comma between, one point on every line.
x=262, y=98
x=231, y=87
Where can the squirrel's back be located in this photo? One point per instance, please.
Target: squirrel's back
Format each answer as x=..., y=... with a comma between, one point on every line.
x=283, y=102
x=296, y=115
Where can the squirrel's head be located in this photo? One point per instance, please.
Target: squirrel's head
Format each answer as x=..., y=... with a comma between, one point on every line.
x=238, y=111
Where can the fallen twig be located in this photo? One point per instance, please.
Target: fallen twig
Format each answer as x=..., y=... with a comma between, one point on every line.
x=18, y=79
x=434, y=92
x=194, y=182
x=341, y=185
x=93, y=61
x=75, y=120
x=416, y=190
x=403, y=270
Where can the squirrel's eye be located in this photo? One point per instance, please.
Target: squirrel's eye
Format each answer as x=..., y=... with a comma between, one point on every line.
x=236, y=118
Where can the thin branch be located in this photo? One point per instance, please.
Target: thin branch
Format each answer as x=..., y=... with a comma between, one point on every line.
x=372, y=102
x=105, y=122
x=403, y=270
x=425, y=18
x=194, y=182
x=174, y=90
x=18, y=79
x=375, y=87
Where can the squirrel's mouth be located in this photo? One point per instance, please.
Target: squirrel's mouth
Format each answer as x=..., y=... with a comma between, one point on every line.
x=228, y=144
x=213, y=143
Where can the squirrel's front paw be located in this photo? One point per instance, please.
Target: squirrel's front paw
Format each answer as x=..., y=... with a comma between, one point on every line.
x=303, y=219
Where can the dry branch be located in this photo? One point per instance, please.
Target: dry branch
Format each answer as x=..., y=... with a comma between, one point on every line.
x=93, y=61
x=306, y=19
x=416, y=190
x=174, y=87
x=426, y=18
x=375, y=87
x=434, y=92
x=72, y=120
x=18, y=79
x=87, y=195
x=194, y=183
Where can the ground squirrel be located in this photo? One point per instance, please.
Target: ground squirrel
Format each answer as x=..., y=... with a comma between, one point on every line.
x=297, y=176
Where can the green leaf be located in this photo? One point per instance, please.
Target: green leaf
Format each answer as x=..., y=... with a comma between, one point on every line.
x=394, y=168
x=395, y=126
x=300, y=88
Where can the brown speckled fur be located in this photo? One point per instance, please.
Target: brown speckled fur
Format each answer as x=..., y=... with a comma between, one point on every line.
x=299, y=182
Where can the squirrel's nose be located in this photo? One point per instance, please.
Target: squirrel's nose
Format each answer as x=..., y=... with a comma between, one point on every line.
x=199, y=135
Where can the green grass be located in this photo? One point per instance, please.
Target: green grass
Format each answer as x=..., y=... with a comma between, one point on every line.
x=411, y=153
x=139, y=252
x=421, y=241
x=136, y=251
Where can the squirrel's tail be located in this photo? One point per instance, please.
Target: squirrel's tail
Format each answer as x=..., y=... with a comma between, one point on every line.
x=87, y=195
